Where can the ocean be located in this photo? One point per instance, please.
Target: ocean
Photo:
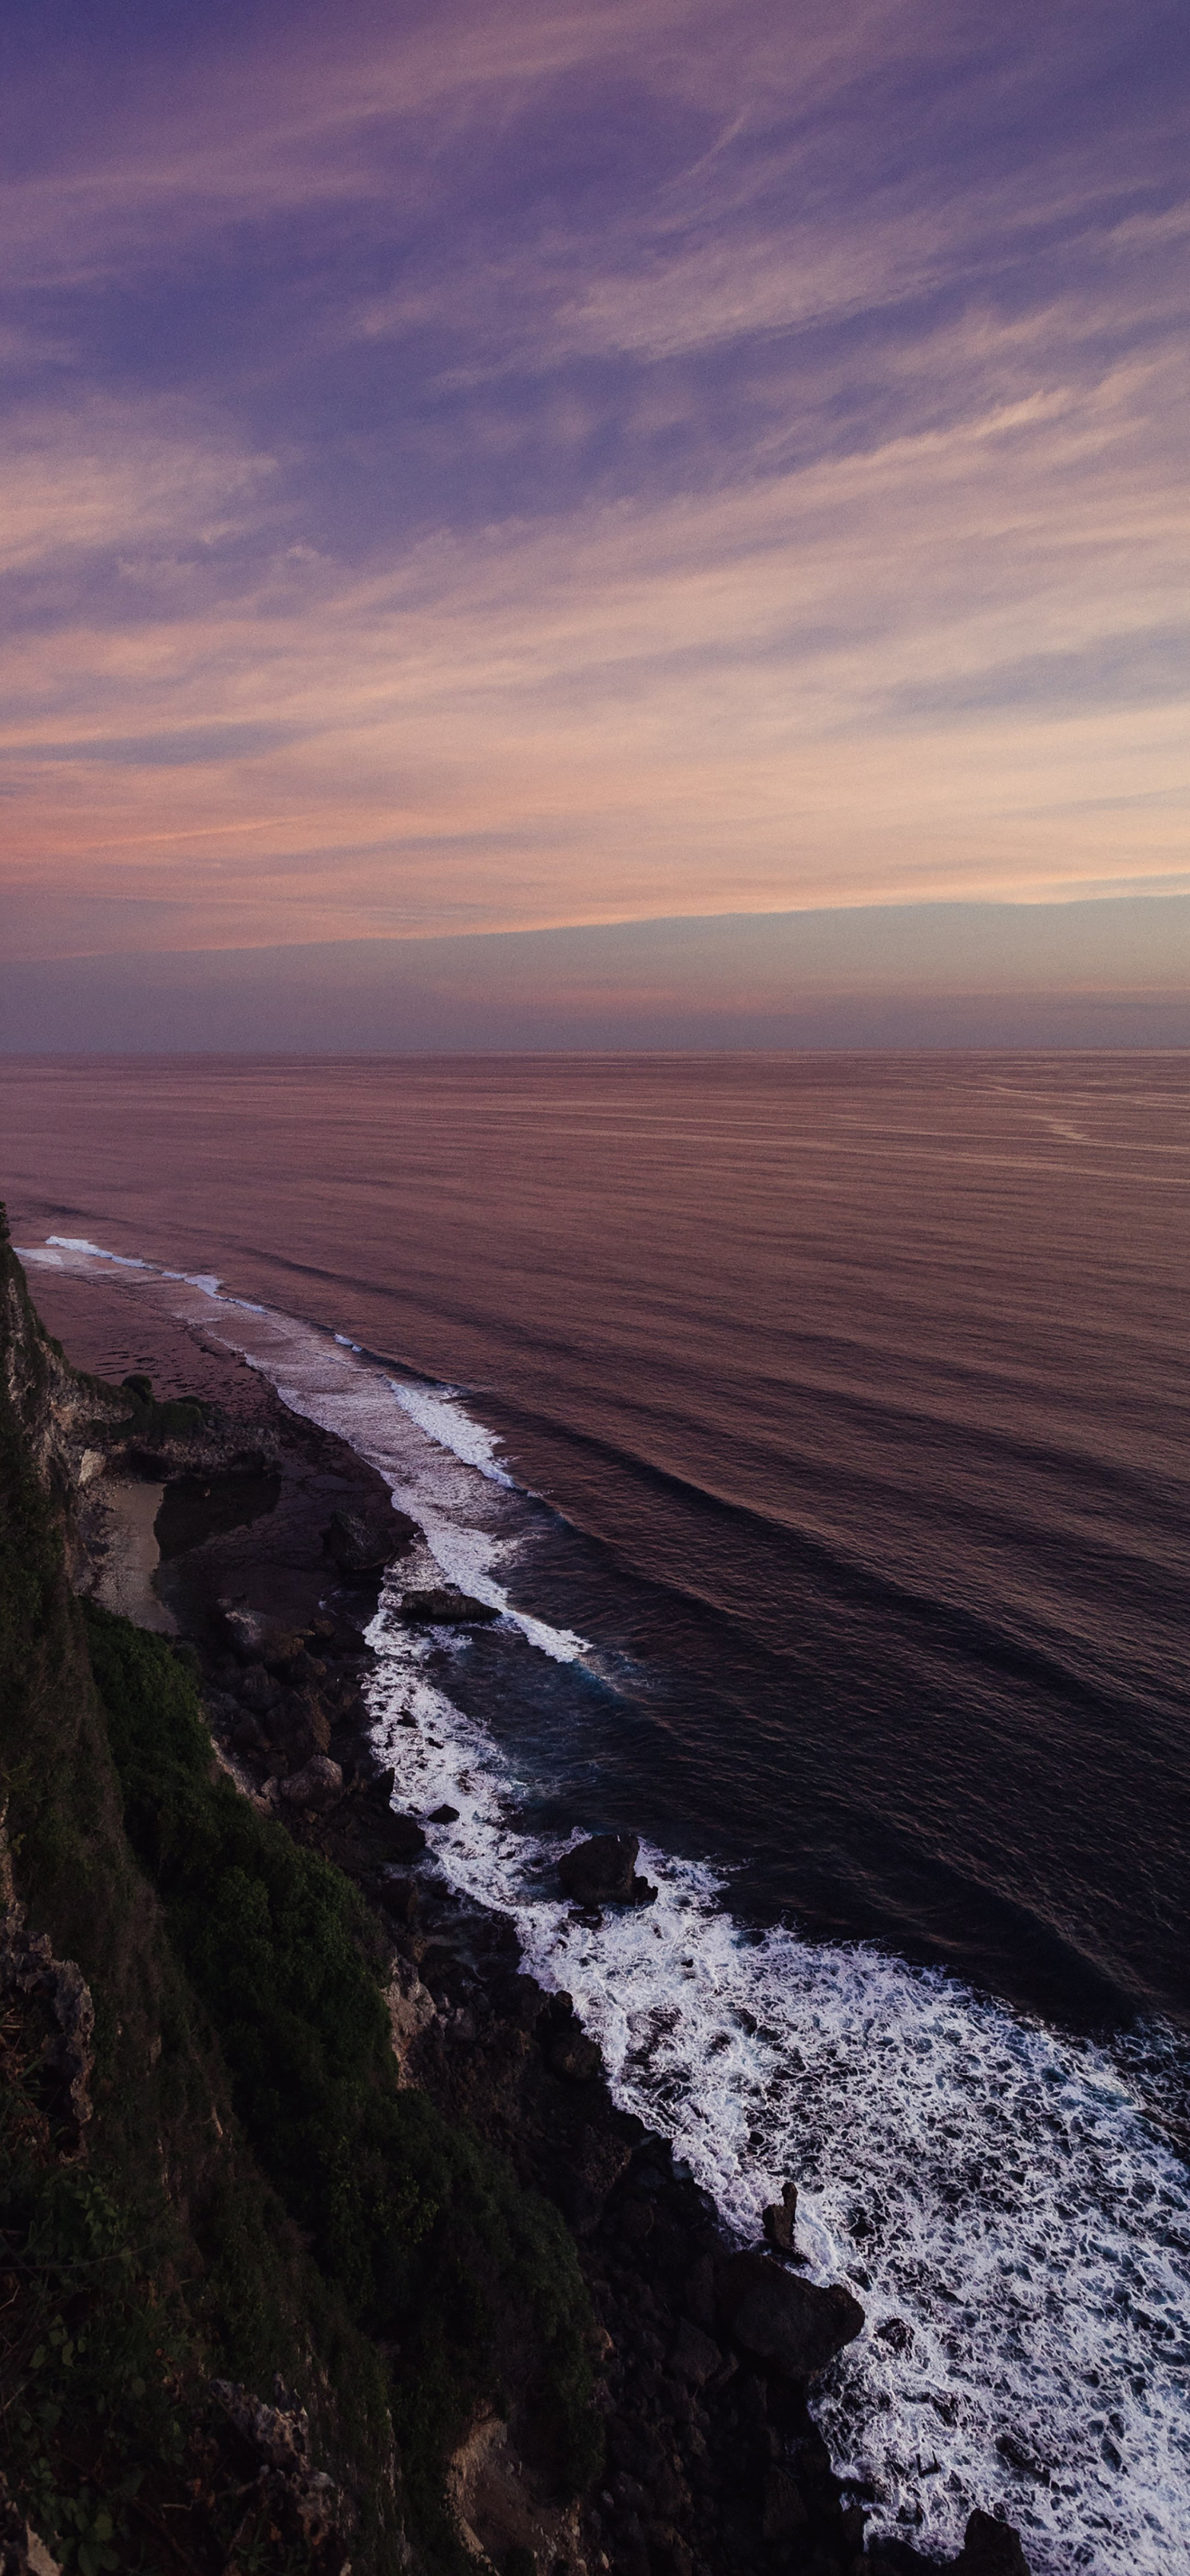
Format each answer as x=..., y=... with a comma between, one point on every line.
x=820, y=1424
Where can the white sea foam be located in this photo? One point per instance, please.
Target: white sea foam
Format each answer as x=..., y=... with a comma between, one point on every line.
x=990, y=2187
x=79, y=1243
x=438, y=1413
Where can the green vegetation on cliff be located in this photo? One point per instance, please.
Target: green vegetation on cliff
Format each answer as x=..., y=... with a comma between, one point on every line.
x=254, y=2194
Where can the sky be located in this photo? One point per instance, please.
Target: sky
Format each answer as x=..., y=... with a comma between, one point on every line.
x=631, y=522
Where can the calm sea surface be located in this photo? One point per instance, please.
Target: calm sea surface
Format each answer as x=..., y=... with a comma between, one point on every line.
x=825, y=1425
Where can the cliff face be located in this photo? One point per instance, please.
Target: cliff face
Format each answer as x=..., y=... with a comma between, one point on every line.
x=259, y=2293
x=141, y=2248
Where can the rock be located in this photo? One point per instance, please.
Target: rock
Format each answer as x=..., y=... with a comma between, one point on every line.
x=300, y=1670
x=21, y=2552
x=399, y=1898
x=306, y=2503
x=990, y=2548
x=575, y=2056
x=404, y=1839
x=248, y=1737
x=299, y=1725
x=694, y=2358
x=596, y=2161
x=60, y=1997
x=1019, y=2458
x=258, y=1691
x=444, y=1815
x=253, y=1636
x=319, y=1784
x=782, y=2512
x=410, y=2008
x=794, y=2326
x=780, y=2219
x=601, y=1871
x=445, y=1607
x=365, y=1542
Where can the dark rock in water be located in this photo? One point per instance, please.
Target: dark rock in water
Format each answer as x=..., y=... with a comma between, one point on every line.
x=1019, y=2458
x=365, y=1542
x=445, y=1607
x=794, y=2326
x=780, y=2219
x=990, y=2548
x=602, y=1872
x=444, y=1815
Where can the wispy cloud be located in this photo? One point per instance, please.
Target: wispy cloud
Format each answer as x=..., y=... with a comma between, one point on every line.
x=581, y=464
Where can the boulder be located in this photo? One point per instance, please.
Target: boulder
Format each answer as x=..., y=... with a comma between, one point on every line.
x=364, y=1542
x=319, y=1784
x=444, y=1815
x=403, y=1837
x=248, y=1737
x=252, y=1636
x=311, y=2515
x=399, y=1897
x=445, y=1607
x=575, y=2057
x=990, y=2548
x=789, y=2323
x=299, y=1726
x=782, y=2513
x=258, y=1690
x=602, y=1871
x=694, y=2358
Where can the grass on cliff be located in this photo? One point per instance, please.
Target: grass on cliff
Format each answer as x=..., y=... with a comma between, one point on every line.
x=435, y=2245
x=163, y=2255
x=257, y=2195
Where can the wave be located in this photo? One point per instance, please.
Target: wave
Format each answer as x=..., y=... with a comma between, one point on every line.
x=1018, y=2234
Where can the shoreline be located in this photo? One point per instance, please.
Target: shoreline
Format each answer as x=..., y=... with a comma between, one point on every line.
x=702, y=2437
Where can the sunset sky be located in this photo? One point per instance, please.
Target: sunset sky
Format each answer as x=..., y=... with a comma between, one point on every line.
x=479, y=471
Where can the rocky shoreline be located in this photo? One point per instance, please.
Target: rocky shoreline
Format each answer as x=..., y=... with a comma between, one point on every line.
x=274, y=1538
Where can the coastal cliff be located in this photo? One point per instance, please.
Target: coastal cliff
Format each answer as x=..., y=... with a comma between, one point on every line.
x=322, y=2239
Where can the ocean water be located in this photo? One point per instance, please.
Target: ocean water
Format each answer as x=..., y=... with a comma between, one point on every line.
x=819, y=1425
